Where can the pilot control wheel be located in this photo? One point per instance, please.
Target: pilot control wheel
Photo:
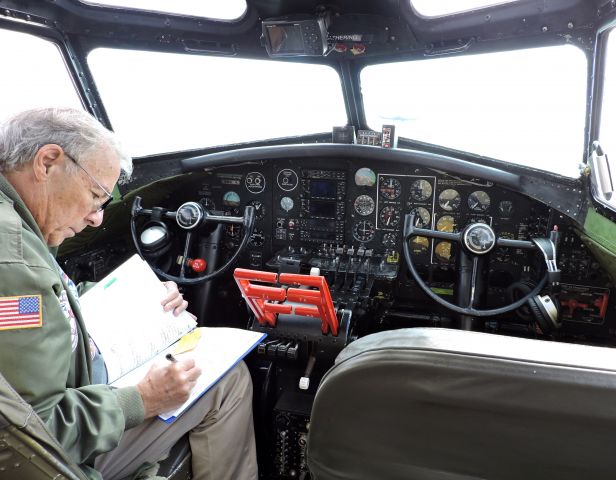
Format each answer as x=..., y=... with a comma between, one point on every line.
x=190, y=216
x=476, y=240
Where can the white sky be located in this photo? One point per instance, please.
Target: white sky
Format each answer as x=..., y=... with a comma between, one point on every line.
x=231, y=9
x=221, y=9
x=167, y=102
x=432, y=8
x=524, y=106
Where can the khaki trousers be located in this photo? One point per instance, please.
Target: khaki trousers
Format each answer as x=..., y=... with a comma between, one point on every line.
x=221, y=433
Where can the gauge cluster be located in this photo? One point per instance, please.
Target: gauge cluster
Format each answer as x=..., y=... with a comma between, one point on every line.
x=328, y=204
x=382, y=199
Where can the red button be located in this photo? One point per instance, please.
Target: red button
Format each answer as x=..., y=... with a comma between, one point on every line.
x=198, y=265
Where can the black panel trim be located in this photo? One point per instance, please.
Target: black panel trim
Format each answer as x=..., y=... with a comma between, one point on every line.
x=417, y=158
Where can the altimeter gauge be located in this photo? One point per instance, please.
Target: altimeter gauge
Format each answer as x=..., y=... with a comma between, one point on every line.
x=390, y=187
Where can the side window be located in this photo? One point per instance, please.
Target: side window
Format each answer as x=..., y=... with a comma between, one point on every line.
x=607, y=133
x=33, y=74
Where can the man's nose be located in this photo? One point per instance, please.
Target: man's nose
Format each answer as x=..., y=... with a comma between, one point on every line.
x=94, y=219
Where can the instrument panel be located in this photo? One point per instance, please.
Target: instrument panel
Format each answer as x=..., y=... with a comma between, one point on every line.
x=328, y=206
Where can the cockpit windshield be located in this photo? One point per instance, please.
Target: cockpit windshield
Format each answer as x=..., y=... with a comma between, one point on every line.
x=165, y=102
x=525, y=106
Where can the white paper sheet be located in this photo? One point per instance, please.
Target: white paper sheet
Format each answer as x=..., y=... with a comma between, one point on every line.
x=219, y=350
x=125, y=318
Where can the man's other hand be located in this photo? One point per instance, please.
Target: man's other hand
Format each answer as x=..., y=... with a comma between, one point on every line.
x=174, y=300
x=167, y=386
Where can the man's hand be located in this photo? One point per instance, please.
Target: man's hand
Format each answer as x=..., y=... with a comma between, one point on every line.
x=174, y=300
x=166, y=386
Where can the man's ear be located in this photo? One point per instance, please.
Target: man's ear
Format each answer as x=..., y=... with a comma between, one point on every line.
x=47, y=160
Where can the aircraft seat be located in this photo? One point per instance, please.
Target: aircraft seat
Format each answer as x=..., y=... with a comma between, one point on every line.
x=29, y=451
x=27, y=448
x=428, y=403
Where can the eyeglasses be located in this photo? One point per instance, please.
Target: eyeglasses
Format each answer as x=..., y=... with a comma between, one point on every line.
x=106, y=203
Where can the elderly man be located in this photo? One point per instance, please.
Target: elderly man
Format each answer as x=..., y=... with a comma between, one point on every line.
x=57, y=167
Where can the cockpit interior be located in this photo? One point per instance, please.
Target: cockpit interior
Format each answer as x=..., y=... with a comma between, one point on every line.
x=416, y=168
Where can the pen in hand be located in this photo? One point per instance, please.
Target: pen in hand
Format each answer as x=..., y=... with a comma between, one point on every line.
x=171, y=358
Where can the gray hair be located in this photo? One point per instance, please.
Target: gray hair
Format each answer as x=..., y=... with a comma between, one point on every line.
x=76, y=131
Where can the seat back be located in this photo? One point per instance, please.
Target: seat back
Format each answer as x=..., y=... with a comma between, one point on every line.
x=27, y=448
x=29, y=451
x=444, y=404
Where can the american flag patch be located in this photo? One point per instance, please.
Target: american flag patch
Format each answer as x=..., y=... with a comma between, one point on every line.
x=24, y=311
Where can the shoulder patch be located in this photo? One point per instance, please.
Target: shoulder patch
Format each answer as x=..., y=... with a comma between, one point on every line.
x=23, y=311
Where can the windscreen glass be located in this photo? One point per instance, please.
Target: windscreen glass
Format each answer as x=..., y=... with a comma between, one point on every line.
x=226, y=10
x=162, y=102
x=607, y=134
x=434, y=8
x=40, y=81
x=525, y=106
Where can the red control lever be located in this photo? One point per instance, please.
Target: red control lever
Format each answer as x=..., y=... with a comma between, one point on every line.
x=198, y=264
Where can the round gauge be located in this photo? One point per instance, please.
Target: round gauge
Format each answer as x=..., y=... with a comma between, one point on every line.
x=389, y=239
x=364, y=231
x=449, y=200
x=389, y=216
x=254, y=182
x=422, y=217
x=231, y=199
x=421, y=190
x=505, y=208
x=365, y=177
x=364, y=205
x=443, y=252
x=259, y=208
x=286, y=203
x=389, y=187
x=208, y=203
x=446, y=224
x=287, y=180
x=479, y=201
x=419, y=244
x=257, y=239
